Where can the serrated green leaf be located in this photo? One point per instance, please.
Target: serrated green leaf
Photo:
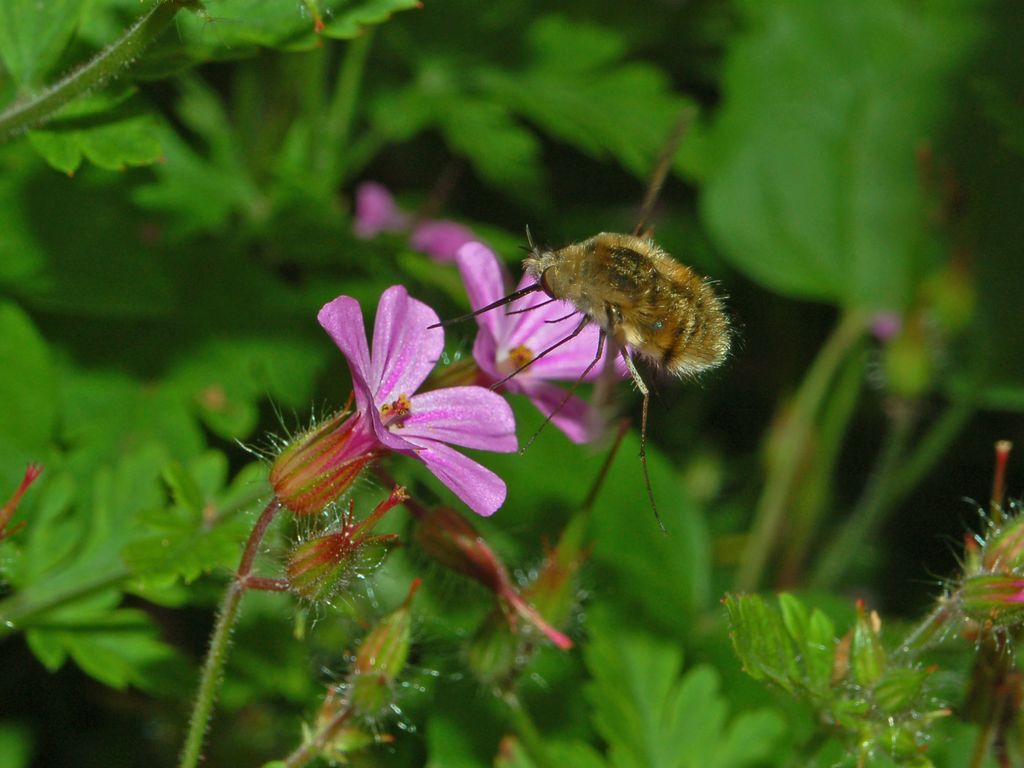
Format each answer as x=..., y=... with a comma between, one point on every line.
x=202, y=190
x=229, y=27
x=352, y=19
x=749, y=739
x=115, y=647
x=598, y=103
x=184, y=488
x=824, y=201
x=653, y=718
x=761, y=641
x=33, y=36
x=501, y=151
x=28, y=389
x=101, y=128
x=188, y=541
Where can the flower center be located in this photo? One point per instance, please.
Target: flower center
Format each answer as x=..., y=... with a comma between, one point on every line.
x=516, y=359
x=394, y=413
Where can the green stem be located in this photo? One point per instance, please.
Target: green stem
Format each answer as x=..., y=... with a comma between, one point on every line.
x=528, y=734
x=893, y=481
x=217, y=653
x=337, y=125
x=815, y=494
x=315, y=744
x=931, y=627
x=873, y=504
x=108, y=63
x=791, y=441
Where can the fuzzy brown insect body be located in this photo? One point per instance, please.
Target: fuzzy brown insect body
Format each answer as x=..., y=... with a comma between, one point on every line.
x=641, y=297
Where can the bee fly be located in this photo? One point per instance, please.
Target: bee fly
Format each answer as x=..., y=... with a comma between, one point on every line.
x=643, y=301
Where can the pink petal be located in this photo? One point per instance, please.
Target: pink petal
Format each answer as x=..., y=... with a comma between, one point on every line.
x=405, y=348
x=440, y=239
x=473, y=417
x=481, y=490
x=343, y=321
x=574, y=419
x=376, y=211
x=486, y=281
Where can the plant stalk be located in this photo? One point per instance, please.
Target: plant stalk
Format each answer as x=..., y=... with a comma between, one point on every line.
x=791, y=440
x=216, y=655
x=22, y=115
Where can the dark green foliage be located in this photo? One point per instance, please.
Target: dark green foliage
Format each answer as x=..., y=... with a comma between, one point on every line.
x=167, y=238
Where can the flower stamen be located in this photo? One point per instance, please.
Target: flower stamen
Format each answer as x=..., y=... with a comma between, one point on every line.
x=394, y=413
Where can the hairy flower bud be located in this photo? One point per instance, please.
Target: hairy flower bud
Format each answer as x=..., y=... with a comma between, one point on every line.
x=320, y=465
x=451, y=540
x=995, y=597
x=380, y=660
x=321, y=567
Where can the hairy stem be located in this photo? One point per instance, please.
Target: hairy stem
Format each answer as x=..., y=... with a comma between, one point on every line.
x=37, y=110
x=216, y=655
x=315, y=744
x=791, y=441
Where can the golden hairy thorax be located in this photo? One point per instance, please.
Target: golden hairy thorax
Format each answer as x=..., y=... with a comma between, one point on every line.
x=641, y=297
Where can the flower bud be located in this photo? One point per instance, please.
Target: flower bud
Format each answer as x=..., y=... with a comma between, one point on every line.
x=381, y=659
x=867, y=653
x=1004, y=547
x=320, y=465
x=321, y=567
x=451, y=540
x=995, y=597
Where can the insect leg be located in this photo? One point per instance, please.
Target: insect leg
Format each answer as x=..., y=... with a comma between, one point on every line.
x=576, y=332
x=640, y=385
x=572, y=389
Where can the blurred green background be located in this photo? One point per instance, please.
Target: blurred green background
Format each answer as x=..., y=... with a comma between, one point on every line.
x=167, y=239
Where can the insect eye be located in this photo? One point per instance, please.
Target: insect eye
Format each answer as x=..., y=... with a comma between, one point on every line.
x=544, y=284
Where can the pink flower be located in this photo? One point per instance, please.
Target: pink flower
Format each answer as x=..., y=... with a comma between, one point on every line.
x=440, y=239
x=507, y=341
x=376, y=212
x=385, y=381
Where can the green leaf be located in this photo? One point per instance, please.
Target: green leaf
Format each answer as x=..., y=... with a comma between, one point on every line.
x=228, y=27
x=228, y=379
x=15, y=746
x=98, y=129
x=762, y=642
x=653, y=718
x=352, y=19
x=578, y=89
x=823, y=200
x=33, y=37
x=20, y=255
x=28, y=390
x=202, y=189
x=117, y=647
x=98, y=261
x=187, y=541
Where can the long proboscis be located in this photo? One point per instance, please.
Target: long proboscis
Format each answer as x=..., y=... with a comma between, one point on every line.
x=493, y=305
